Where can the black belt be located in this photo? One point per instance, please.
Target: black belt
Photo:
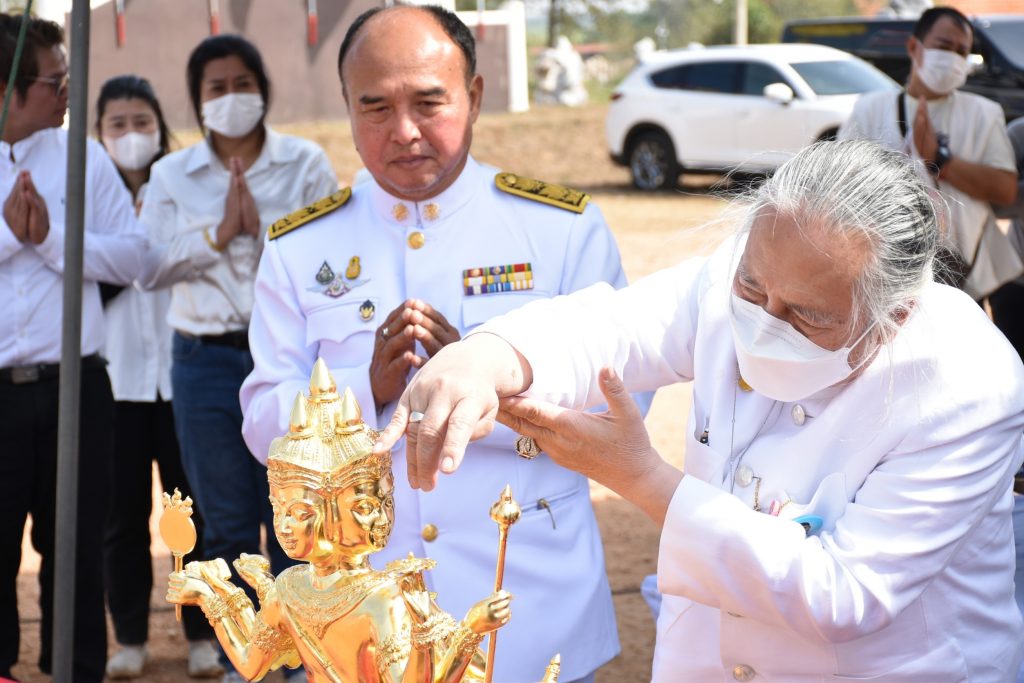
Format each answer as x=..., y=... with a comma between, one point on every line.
x=29, y=374
x=236, y=340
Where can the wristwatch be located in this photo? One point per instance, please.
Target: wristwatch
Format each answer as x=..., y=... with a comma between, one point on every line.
x=942, y=154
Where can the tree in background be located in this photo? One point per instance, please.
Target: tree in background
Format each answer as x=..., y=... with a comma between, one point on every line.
x=710, y=22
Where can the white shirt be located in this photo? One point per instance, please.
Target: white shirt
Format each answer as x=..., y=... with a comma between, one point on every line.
x=909, y=467
x=977, y=133
x=31, y=276
x=555, y=563
x=138, y=348
x=211, y=292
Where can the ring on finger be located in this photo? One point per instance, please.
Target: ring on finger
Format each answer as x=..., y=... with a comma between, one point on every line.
x=416, y=416
x=527, y=448
x=384, y=332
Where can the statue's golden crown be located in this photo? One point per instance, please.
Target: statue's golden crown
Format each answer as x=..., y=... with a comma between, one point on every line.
x=328, y=446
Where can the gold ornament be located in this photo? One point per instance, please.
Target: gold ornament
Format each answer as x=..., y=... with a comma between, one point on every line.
x=333, y=508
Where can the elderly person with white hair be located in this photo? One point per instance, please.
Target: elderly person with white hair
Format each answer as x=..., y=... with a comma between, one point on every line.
x=844, y=513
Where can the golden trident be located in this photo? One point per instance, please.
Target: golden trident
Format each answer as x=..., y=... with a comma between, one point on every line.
x=505, y=512
x=178, y=530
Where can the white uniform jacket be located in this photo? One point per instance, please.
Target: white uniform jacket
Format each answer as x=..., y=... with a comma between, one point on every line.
x=908, y=467
x=555, y=563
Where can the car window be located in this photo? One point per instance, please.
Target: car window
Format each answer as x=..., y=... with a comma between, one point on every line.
x=1006, y=36
x=720, y=77
x=843, y=77
x=757, y=75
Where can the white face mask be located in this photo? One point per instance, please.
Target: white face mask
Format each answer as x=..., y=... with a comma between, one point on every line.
x=778, y=361
x=942, y=71
x=233, y=115
x=133, y=151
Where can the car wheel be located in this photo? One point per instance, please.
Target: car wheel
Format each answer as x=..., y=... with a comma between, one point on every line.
x=652, y=161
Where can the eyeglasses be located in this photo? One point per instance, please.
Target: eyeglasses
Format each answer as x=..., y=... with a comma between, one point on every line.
x=58, y=83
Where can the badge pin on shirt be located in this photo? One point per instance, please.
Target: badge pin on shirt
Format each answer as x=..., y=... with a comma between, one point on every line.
x=336, y=285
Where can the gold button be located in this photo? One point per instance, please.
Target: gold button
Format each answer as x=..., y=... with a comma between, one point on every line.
x=431, y=211
x=400, y=212
x=416, y=240
x=743, y=385
x=429, y=533
x=742, y=673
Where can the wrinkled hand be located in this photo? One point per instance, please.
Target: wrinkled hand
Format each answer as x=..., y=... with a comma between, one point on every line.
x=393, y=355
x=611, y=448
x=490, y=614
x=458, y=393
x=925, y=142
x=16, y=209
x=38, y=216
x=429, y=327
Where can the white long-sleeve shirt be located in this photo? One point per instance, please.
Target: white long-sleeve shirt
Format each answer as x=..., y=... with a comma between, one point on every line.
x=212, y=292
x=31, y=276
x=909, y=467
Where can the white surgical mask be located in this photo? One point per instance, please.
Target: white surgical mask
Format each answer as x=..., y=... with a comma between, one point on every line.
x=778, y=361
x=233, y=115
x=133, y=151
x=942, y=71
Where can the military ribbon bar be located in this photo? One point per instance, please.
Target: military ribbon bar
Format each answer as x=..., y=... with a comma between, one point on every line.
x=490, y=279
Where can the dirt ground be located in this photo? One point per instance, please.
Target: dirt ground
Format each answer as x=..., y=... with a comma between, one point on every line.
x=653, y=231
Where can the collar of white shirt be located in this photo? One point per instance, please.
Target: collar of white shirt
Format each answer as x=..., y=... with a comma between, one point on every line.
x=24, y=147
x=435, y=209
x=275, y=151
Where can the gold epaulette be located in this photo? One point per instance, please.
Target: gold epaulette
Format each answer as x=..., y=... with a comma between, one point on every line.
x=539, y=191
x=305, y=215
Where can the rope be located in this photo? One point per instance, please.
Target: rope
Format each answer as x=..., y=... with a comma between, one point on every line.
x=14, y=65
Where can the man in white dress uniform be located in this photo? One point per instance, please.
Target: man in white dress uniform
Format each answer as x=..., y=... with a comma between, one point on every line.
x=378, y=278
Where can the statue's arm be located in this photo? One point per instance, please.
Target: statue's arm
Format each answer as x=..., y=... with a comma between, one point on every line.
x=463, y=650
x=255, y=643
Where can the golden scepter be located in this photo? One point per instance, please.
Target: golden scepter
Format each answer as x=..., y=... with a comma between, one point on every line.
x=178, y=531
x=505, y=512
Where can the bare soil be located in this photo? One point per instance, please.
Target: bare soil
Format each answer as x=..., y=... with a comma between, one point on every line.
x=653, y=231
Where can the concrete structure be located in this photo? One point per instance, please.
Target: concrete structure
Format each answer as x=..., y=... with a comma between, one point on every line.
x=160, y=34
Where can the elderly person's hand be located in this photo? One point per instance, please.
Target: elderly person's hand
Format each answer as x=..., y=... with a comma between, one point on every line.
x=451, y=401
x=612, y=447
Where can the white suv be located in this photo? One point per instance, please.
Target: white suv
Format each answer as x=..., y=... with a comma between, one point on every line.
x=730, y=108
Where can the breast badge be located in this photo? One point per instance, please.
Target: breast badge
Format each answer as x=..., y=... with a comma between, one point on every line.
x=336, y=285
x=366, y=311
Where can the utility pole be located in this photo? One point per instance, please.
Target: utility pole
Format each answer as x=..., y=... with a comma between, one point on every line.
x=741, y=22
x=554, y=21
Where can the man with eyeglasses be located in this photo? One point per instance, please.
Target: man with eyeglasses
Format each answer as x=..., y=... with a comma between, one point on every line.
x=33, y=169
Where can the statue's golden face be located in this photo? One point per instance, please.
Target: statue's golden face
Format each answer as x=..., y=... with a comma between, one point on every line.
x=367, y=513
x=309, y=529
x=299, y=521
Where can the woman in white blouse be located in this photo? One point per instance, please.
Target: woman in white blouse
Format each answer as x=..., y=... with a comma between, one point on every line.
x=206, y=210
x=131, y=126
x=844, y=513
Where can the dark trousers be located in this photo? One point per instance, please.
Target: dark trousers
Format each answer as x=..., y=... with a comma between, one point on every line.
x=143, y=432
x=229, y=484
x=1007, y=305
x=28, y=483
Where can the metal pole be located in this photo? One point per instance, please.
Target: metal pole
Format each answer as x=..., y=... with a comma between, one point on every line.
x=71, y=354
x=741, y=22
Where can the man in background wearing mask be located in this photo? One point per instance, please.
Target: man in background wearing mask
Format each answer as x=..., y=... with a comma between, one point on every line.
x=961, y=143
